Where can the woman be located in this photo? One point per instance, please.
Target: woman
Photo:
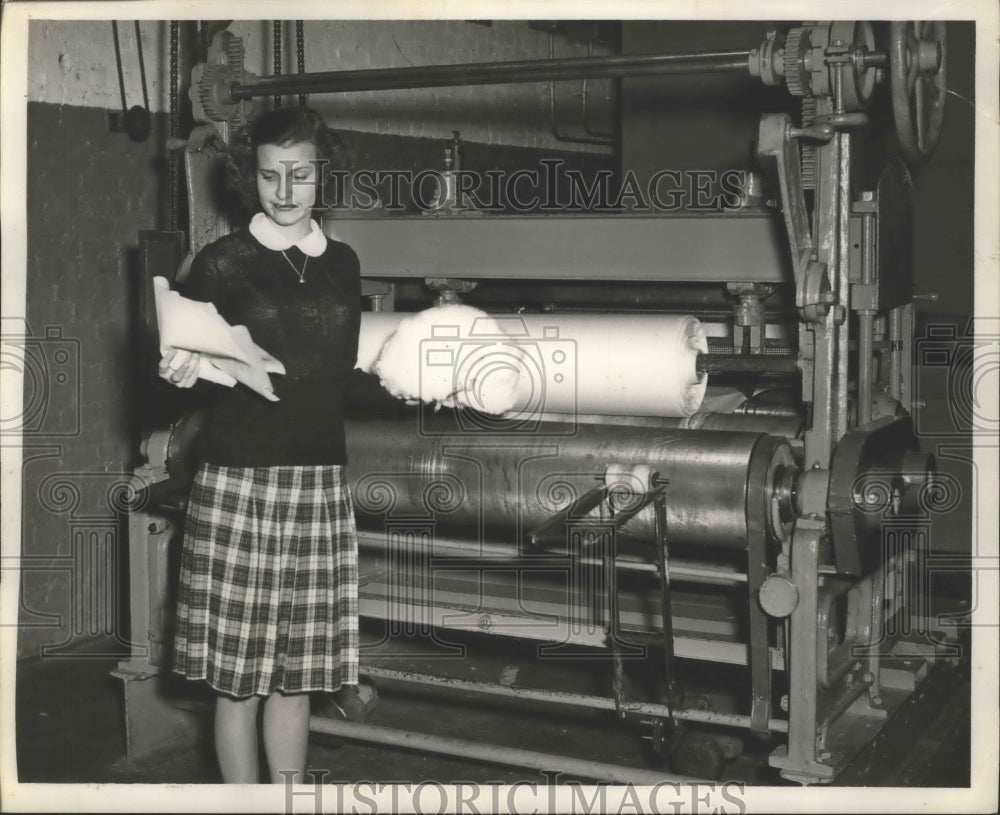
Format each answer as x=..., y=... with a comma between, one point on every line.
x=268, y=587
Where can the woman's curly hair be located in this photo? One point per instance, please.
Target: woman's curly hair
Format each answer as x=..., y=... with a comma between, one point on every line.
x=282, y=126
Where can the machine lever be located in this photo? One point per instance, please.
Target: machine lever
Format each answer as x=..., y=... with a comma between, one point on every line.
x=580, y=507
x=774, y=141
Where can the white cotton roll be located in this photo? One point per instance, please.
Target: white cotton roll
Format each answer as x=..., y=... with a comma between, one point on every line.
x=628, y=364
x=376, y=328
x=638, y=477
x=607, y=364
x=453, y=355
x=627, y=485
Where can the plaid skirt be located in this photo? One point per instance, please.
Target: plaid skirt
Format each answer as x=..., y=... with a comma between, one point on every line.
x=268, y=596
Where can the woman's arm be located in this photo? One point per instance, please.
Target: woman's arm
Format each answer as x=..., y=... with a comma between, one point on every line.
x=178, y=366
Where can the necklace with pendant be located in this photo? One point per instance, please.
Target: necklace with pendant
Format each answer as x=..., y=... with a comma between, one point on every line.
x=302, y=274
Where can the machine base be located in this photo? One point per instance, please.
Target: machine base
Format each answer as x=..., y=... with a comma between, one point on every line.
x=156, y=717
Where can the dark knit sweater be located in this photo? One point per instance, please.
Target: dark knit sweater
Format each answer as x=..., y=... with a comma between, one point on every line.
x=312, y=327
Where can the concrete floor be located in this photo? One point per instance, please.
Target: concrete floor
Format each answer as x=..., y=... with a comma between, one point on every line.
x=70, y=728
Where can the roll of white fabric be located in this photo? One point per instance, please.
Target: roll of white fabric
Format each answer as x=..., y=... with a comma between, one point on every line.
x=526, y=364
x=376, y=328
x=453, y=355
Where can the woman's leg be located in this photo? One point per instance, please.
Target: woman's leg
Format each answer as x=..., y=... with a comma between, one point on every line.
x=236, y=739
x=286, y=734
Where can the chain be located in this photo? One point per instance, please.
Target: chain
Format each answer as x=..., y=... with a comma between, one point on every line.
x=174, y=186
x=276, y=29
x=302, y=274
x=300, y=47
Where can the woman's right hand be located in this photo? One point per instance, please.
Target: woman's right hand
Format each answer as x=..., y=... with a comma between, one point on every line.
x=180, y=367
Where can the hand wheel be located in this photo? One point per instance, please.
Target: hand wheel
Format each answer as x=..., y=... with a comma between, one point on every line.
x=918, y=59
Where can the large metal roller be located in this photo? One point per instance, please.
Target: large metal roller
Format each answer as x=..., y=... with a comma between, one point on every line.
x=490, y=486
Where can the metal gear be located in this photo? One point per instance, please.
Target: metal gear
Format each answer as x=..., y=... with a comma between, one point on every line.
x=212, y=92
x=797, y=43
x=807, y=150
x=235, y=55
x=235, y=52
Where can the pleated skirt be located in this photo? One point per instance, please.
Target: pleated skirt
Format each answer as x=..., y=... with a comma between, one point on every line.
x=268, y=594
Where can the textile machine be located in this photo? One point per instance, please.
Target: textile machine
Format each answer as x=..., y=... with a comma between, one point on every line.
x=775, y=527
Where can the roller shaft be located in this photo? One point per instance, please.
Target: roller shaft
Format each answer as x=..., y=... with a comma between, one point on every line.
x=493, y=73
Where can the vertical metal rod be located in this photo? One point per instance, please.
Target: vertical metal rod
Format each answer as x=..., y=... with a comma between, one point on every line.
x=864, y=368
x=666, y=609
x=877, y=628
x=895, y=363
x=142, y=65
x=905, y=351
x=118, y=62
x=614, y=620
x=758, y=623
x=842, y=390
x=866, y=320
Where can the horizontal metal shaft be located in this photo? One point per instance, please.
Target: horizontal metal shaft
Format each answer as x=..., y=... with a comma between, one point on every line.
x=573, y=699
x=495, y=753
x=493, y=73
x=715, y=364
x=689, y=571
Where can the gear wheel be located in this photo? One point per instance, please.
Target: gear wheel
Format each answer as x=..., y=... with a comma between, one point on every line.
x=212, y=87
x=797, y=43
x=235, y=55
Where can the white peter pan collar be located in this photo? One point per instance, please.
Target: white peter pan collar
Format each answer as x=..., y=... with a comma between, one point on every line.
x=264, y=230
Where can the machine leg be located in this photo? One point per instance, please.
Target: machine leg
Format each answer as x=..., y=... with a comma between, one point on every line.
x=666, y=610
x=799, y=760
x=154, y=721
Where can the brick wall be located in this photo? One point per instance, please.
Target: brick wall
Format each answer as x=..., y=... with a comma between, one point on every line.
x=90, y=191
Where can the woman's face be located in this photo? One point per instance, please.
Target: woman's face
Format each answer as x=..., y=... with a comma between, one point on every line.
x=286, y=184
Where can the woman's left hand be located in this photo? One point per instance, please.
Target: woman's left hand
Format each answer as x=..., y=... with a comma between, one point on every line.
x=180, y=367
